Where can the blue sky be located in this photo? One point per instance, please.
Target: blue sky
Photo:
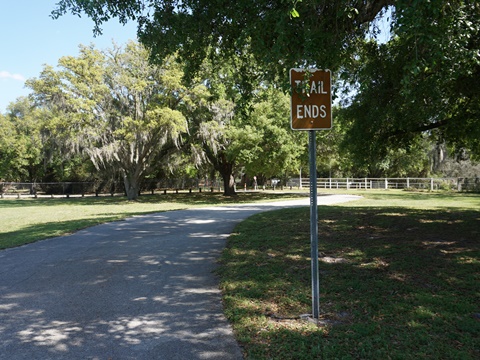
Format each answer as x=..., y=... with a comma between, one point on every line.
x=30, y=38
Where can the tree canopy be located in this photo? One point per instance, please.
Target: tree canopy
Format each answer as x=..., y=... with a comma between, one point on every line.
x=212, y=86
x=127, y=116
x=280, y=34
x=424, y=77
x=422, y=83
x=21, y=142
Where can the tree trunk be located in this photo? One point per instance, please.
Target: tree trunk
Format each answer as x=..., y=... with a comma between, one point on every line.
x=131, y=187
x=228, y=184
x=225, y=168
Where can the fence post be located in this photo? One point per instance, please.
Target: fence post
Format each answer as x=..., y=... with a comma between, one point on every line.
x=431, y=184
x=386, y=184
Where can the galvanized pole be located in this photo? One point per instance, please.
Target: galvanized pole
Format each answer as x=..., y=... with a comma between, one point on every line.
x=314, y=223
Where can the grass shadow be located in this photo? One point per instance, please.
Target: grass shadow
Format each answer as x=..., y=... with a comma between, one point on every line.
x=395, y=282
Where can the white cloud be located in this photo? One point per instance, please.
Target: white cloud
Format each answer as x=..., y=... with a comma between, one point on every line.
x=8, y=75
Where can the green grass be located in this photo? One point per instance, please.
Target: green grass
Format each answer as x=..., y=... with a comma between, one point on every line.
x=399, y=271
x=399, y=279
x=27, y=220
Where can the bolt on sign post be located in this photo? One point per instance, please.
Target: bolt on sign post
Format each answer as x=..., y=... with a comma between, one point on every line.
x=311, y=109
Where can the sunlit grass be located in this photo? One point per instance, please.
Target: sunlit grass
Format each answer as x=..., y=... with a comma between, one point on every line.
x=27, y=220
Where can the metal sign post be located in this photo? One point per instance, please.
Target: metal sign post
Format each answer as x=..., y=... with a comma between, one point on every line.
x=311, y=109
x=312, y=154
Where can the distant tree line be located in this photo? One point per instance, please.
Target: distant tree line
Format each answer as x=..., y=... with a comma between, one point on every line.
x=112, y=115
x=215, y=101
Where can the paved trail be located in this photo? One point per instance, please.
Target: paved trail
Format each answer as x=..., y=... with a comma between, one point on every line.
x=142, y=288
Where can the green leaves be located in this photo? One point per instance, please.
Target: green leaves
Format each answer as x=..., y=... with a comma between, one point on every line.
x=115, y=106
x=418, y=89
x=22, y=142
x=264, y=143
x=279, y=34
x=294, y=13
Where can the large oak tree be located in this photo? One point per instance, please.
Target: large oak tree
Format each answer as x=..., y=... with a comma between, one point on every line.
x=116, y=107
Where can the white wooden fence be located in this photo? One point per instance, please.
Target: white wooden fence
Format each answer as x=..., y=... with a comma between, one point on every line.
x=89, y=188
x=458, y=184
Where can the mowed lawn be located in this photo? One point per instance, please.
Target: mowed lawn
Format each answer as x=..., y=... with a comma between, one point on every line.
x=399, y=279
x=27, y=220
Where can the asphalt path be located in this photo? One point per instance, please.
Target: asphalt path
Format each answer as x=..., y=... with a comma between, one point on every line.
x=142, y=288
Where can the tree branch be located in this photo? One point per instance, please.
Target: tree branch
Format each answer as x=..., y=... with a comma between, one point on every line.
x=370, y=10
x=420, y=128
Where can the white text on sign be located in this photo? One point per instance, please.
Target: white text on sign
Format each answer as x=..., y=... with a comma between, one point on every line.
x=315, y=87
x=311, y=111
x=311, y=100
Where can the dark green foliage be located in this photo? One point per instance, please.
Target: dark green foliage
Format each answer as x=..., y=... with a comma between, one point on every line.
x=419, y=85
x=279, y=34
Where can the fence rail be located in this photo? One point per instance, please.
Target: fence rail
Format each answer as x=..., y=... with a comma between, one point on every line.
x=111, y=188
x=458, y=184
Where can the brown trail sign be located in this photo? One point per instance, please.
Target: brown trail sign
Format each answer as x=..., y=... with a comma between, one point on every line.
x=311, y=101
